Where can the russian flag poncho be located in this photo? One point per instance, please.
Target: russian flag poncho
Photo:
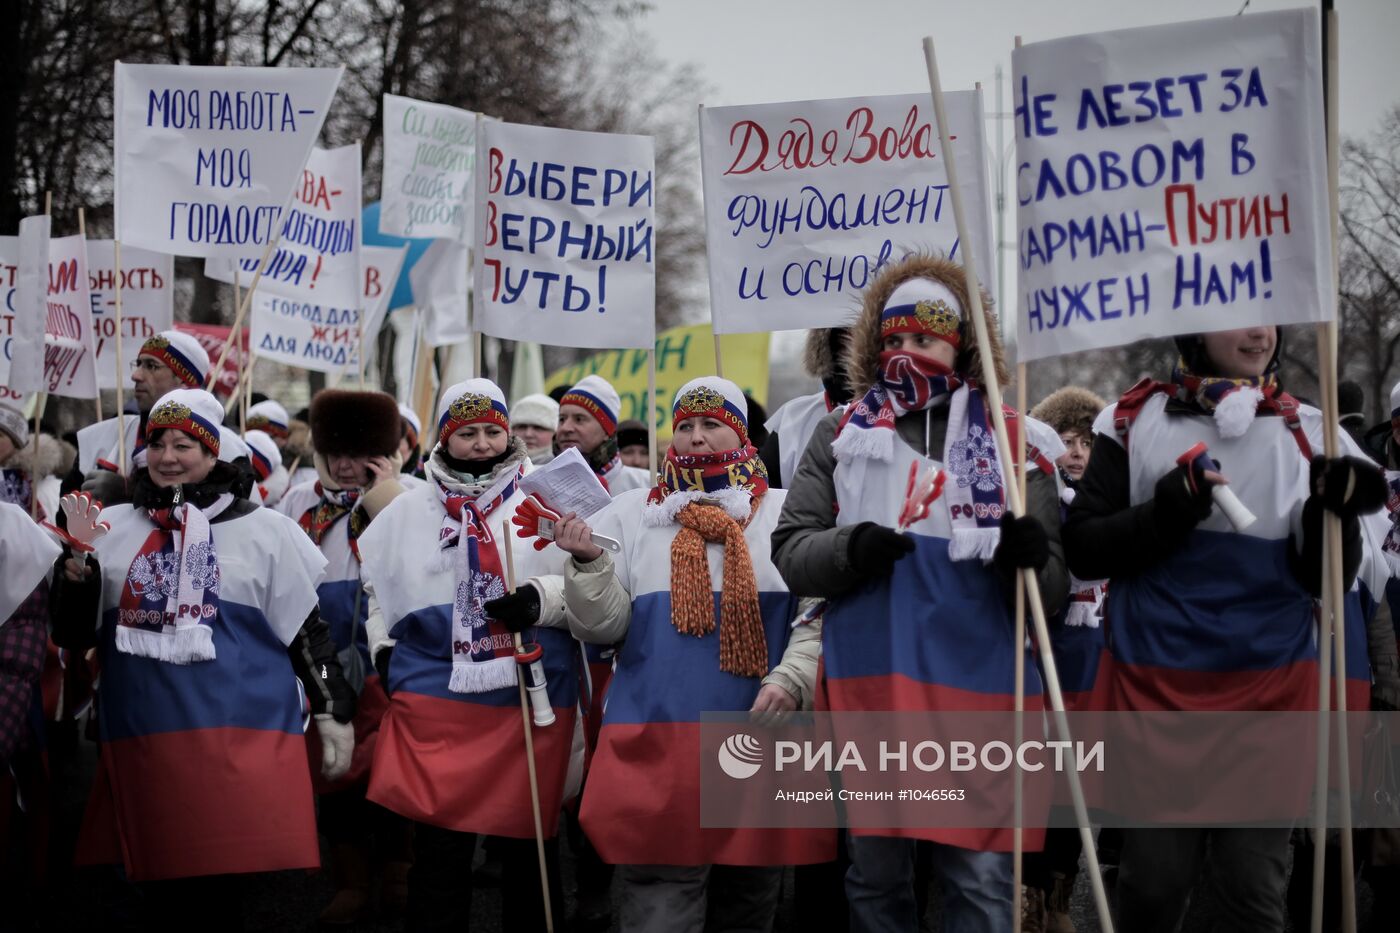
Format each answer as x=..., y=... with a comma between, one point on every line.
x=203, y=768
x=641, y=804
x=457, y=760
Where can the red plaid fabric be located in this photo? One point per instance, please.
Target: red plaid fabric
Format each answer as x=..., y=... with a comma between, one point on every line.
x=23, y=641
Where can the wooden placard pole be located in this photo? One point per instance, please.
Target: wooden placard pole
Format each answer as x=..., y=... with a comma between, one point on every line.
x=96, y=399
x=529, y=738
x=121, y=386
x=1334, y=586
x=243, y=307
x=1013, y=492
x=651, y=411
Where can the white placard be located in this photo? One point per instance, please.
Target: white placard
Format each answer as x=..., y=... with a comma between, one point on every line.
x=565, y=237
x=317, y=256
x=206, y=156
x=441, y=283
x=31, y=294
x=381, y=265
x=148, y=303
x=323, y=337
x=1171, y=180
x=9, y=303
x=54, y=352
x=806, y=200
x=429, y=157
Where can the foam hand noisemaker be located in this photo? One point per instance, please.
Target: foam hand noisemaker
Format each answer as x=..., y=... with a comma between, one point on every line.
x=536, y=520
x=1198, y=458
x=920, y=492
x=85, y=525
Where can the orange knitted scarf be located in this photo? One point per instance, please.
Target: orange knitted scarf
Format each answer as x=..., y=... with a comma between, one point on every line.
x=743, y=647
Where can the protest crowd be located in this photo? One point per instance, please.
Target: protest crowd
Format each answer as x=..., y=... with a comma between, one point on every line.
x=450, y=636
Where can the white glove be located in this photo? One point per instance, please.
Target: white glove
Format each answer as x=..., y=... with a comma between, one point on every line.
x=337, y=745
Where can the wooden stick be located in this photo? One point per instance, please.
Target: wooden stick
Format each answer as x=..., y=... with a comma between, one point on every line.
x=39, y=402
x=651, y=409
x=529, y=739
x=121, y=386
x=1331, y=440
x=1013, y=492
x=237, y=395
x=1018, y=790
x=96, y=399
x=719, y=361
x=243, y=305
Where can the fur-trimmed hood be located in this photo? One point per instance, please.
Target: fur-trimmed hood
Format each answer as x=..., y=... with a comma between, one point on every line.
x=1070, y=409
x=863, y=347
x=55, y=458
x=817, y=357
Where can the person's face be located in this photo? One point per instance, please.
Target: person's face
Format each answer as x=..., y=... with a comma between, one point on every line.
x=636, y=455
x=1076, y=456
x=1241, y=354
x=150, y=379
x=578, y=428
x=704, y=436
x=534, y=436
x=406, y=450
x=348, y=472
x=174, y=458
x=7, y=446
x=930, y=348
x=478, y=441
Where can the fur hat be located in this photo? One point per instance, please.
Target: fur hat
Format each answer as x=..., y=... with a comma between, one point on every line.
x=863, y=348
x=1070, y=410
x=348, y=423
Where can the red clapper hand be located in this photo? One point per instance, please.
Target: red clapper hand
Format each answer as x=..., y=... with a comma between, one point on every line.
x=537, y=520
x=528, y=517
x=85, y=526
x=920, y=492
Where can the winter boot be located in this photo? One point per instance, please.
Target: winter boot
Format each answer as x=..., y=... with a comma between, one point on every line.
x=350, y=872
x=1032, y=909
x=1057, y=917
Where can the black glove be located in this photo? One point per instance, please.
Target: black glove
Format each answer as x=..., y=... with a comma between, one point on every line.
x=516, y=611
x=873, y=549
x=1347, y=486
x=381, y=666
x=1024, y=544
x=1181, y=501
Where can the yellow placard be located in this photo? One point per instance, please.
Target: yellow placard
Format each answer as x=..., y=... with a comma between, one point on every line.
x=682, y=353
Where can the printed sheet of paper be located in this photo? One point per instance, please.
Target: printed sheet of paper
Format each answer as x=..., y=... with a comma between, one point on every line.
x=567, y=484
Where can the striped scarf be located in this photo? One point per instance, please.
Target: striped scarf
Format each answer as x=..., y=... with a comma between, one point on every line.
x=333, y=504
x=1233, y=402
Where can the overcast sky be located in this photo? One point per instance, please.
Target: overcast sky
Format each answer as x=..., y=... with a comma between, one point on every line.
x=756, y=51
x=760, y=51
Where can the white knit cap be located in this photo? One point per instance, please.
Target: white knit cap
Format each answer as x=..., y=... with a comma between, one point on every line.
x=231, y=446
x=469, y=402
x=713, y=397
x=181, y=353
x=537, y=410
x=597, y=396
x=12, y=423
x=265, y=456
x=411, y=416
x=269, y=414
x=192, y=411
